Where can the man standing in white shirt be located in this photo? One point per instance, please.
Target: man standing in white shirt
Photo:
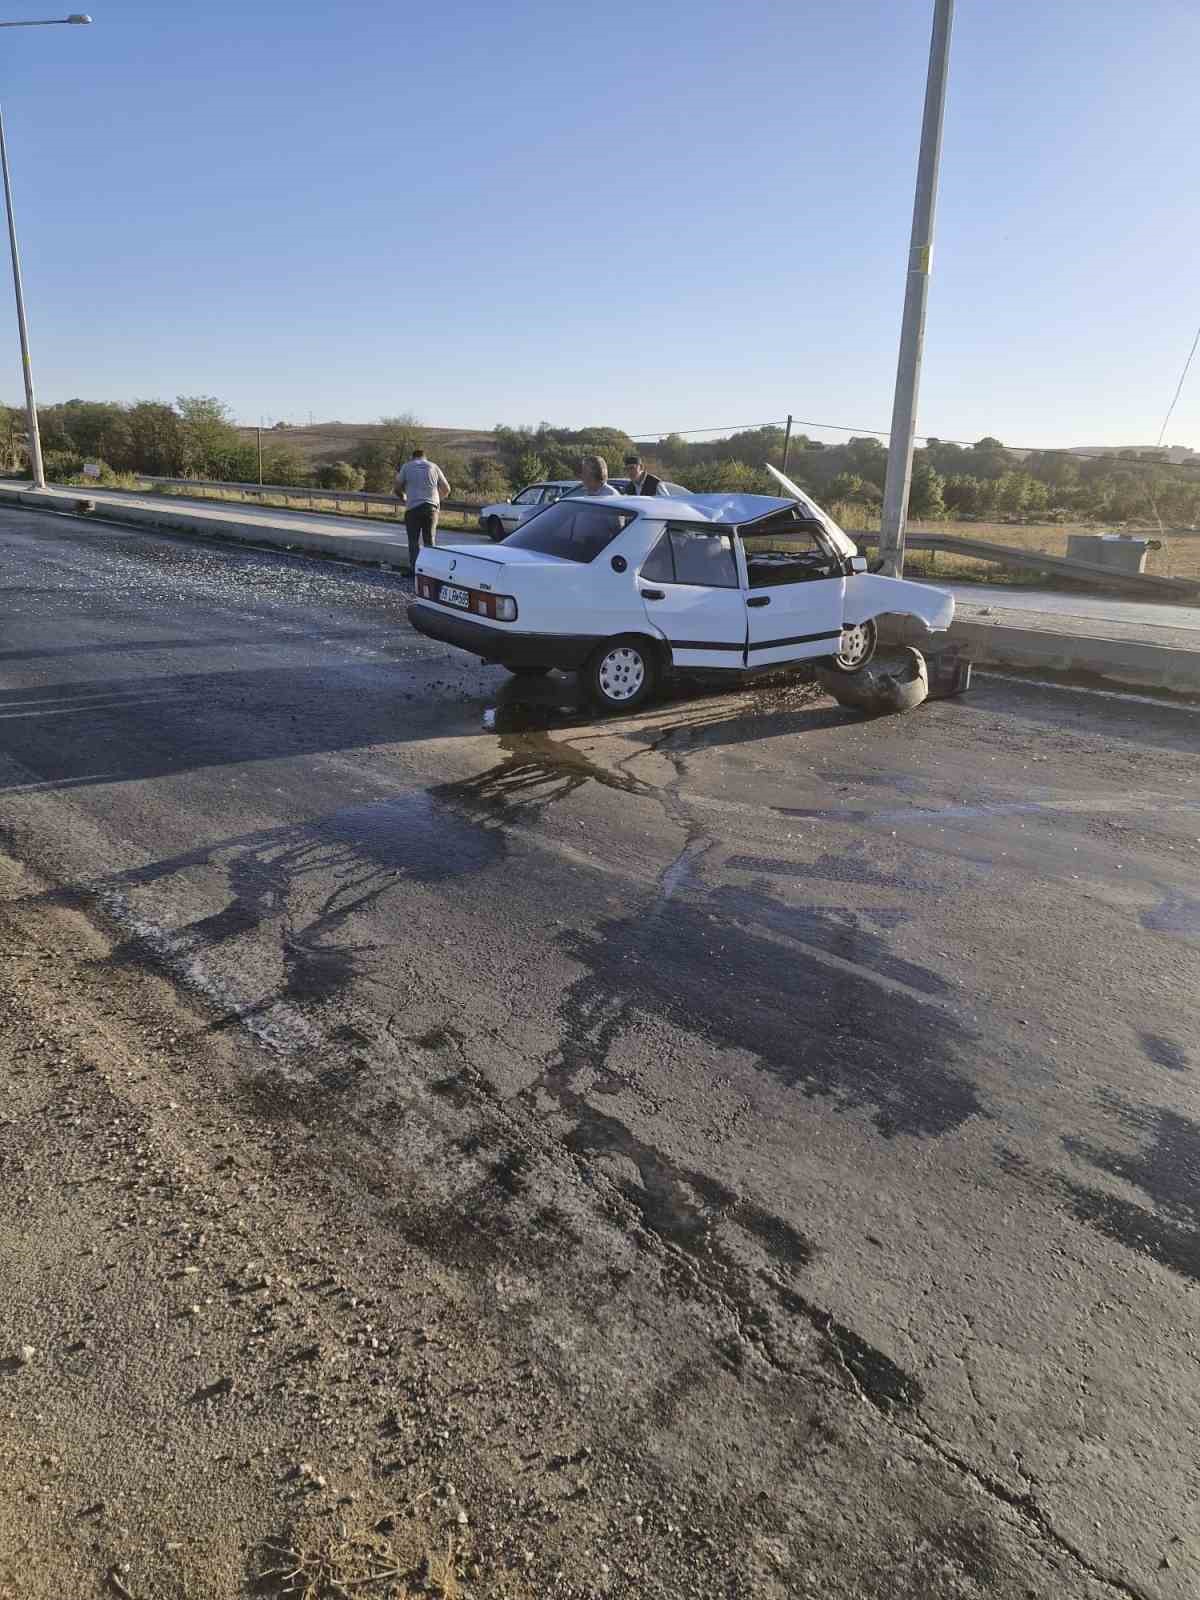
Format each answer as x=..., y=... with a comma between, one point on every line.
x=420, y=485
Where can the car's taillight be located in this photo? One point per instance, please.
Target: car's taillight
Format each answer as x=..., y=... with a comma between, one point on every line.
x=506, y=608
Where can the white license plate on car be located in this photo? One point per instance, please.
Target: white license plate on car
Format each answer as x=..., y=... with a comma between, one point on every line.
x=450, y=596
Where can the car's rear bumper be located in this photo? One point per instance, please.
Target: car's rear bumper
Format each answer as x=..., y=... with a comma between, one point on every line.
x=568, y=651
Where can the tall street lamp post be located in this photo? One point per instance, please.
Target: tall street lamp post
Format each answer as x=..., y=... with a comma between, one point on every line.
x=35, y=438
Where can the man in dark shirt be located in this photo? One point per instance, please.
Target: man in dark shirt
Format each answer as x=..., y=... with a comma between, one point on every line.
x=643, y=482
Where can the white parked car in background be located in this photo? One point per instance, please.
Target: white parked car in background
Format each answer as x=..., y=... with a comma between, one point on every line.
x=626, y=589
x=501, y=518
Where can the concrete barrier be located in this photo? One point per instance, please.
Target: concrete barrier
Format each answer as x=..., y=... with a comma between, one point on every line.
x=1118, y=663
x=386, y=548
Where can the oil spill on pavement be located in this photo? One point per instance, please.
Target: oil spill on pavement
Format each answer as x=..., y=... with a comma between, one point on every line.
x=820, y=1029
x=417, y=834
x=1164, y=1052
x=537, y=772
x=1176, y=913
x=361, y=853
x=1166, y=1169
x=696, y=1214
x=837, y=931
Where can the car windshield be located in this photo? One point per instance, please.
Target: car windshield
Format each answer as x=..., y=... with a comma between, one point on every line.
x=570, y=529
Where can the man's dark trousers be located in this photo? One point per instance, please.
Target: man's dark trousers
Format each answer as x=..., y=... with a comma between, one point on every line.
x=420, y=523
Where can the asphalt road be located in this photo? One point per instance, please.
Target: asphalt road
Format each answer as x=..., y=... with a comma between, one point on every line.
x=755, y=1060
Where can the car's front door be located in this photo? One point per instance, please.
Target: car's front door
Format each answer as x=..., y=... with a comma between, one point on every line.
x=795, y=593
x=691, y=590
x=523, y=505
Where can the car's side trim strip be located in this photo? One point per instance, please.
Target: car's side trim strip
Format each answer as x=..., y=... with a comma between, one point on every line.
x=796, y=638
x=737, y=645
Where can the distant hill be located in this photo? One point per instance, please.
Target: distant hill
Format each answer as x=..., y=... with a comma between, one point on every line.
x=1168, y=452
x=336, y=441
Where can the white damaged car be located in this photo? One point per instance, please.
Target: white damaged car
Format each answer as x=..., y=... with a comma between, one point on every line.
x=627, y=589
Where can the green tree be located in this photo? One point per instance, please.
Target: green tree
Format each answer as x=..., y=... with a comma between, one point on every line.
x=210, y=442
x=156, y=443
x=286, y=465
x=340, y=475
x=925, y=497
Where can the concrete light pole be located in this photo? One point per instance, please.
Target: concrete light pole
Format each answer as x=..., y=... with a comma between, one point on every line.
x=912, y=331
x=35, y=437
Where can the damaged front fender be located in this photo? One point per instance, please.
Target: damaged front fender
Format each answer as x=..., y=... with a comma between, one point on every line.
x=870, y=595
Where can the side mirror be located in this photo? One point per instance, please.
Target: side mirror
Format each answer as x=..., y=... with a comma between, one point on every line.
x=858, y=564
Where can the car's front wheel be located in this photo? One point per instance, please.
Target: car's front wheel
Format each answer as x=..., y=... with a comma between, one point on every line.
x=621, y=674
x=495, y=529
x=858, y=646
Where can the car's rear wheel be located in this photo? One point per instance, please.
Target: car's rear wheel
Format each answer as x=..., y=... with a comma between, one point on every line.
x=495, y=529
x=621, y=674
x=858, y=646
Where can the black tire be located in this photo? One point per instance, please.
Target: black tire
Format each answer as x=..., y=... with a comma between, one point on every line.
x=622, y=674
x=859, y=644
x=496, y=530
x=525, y=672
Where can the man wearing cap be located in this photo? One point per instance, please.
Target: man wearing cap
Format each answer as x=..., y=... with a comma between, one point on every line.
x=643, y=482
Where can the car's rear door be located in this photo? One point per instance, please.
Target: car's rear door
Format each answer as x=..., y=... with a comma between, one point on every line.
x=690, y=587
x=795, y=592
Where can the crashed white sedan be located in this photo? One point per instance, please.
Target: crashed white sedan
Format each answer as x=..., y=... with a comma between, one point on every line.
x=626, y=589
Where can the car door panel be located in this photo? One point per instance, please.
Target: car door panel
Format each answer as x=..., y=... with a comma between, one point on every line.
x=703, y=621
x=795, y=598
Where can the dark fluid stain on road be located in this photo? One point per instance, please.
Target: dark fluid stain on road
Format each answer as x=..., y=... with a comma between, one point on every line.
x=537, y=772
x=361, y=854
x=1166, y=1169
x=838, y=932
x=1176, y=913
x=877, y=1375
x=817, y=1028
x=419, y=835
x=1164, y=1052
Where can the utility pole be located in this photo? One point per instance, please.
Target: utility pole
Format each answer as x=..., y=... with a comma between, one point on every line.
x=260, y=452
x=912, y=331
x=37, y=468
x=787, y=441
x=35, y=438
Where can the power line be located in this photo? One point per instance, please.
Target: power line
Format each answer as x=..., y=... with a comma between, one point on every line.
x=966, y=444
x=1179, y=386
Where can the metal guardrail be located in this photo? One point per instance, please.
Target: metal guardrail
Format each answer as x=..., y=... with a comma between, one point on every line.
x=1148, y=585
x=310, y=493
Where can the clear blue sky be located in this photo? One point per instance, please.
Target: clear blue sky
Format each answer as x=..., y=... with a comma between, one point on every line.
x=649, y=215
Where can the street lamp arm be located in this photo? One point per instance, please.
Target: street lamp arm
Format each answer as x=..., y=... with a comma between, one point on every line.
x=48, y=22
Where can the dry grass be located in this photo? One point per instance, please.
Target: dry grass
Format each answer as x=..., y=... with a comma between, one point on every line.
x=1178, y=558
x=345, y=1564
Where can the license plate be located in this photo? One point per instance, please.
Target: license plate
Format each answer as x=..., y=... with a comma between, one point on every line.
x=450, y=596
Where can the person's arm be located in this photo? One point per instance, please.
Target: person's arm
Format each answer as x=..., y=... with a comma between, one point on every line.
x=443, y=483
x=399, y=485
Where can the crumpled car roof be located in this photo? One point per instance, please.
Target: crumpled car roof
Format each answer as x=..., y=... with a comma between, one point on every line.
x=731, y=509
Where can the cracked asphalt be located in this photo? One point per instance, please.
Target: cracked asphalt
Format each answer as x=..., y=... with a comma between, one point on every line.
x=817, y=1097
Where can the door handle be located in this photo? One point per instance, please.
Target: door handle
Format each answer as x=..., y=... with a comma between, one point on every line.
x=760, y=600
x=653, y=594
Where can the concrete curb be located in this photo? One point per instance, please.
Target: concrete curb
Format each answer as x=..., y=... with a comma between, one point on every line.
x=1115, y=663
x=382, y=549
